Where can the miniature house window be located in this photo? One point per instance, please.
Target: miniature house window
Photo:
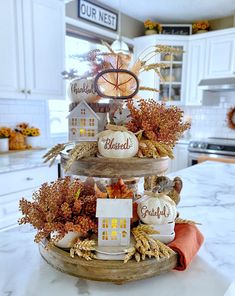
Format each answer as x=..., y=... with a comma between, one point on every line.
x=74, y=121
x=122, y=223
x=124, y=234
x=82, y=132
x=105, y=223
x=114, y=235
x=91, y=122
x=114, y=223
x=83, y=111
x=91, y=133
x=82, y=121
x=105, y=235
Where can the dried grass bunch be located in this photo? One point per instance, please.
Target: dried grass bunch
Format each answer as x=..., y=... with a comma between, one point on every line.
x=64, y=205
x=156, y=121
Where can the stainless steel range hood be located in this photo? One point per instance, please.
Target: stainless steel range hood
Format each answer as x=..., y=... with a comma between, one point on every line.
x=218, y=84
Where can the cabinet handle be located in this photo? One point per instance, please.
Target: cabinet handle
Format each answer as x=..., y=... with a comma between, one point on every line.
x=29, y=92
x=23, y=91
x=29, y=179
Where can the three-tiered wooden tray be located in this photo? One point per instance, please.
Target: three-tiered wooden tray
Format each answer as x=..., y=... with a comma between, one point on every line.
x=110, y=270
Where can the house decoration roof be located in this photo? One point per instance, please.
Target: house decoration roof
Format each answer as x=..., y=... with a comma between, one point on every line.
x=117, y=208
x=74, y=111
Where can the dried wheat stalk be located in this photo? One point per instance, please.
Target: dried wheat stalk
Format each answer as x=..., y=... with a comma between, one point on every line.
x=81, y=150
x=54, y=152
x=83, y=249
x=185, y=221
x=146, y=246
x=148, y=88
x=149, y=148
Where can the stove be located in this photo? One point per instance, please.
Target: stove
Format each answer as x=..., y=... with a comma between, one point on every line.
x=211, y=147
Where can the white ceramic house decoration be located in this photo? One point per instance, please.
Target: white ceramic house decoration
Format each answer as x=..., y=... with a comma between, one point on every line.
x=83, y=123
x=114, y=221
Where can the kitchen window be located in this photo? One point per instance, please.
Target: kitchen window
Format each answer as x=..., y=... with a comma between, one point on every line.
x=58, y=110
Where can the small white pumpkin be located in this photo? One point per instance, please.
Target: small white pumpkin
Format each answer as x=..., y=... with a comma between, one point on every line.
x=82, y=89
x=156, y=208
x=118, y=143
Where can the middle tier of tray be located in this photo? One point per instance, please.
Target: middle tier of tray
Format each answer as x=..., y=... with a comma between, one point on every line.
x=116, y=167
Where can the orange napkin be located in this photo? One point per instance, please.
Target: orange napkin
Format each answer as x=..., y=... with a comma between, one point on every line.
x=187, y=242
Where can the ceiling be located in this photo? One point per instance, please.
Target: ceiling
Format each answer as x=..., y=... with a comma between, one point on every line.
x=177, y=11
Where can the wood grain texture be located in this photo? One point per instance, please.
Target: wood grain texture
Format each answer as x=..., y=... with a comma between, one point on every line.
x=106, y=271
x=114, y=168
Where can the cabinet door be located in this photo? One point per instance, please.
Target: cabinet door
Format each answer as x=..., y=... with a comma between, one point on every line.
x=9, y=208
x=44, y=40
x=11, y=50
x=25, y=179
x=195, y=70
x=147, y=79
x=180, y=160
x=220, y=56
x=173, y=84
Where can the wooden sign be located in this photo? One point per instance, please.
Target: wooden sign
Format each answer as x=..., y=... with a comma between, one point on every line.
x=176, y=29
x=96, y=14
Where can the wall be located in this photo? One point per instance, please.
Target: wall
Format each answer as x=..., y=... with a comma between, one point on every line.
x=34, y=112
x=130, y=27
x=223, y=23
x=210, y=121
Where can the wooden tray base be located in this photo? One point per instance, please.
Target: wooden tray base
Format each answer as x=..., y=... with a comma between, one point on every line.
x=103, y=270
x=117, y=167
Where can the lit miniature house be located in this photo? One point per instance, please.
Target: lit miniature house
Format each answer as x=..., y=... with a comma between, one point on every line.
x=83, y=123
x=114, y=221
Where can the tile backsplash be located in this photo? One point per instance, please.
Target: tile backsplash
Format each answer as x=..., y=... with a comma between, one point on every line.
x=34, y=112
x=211, y=121
x=207, y=121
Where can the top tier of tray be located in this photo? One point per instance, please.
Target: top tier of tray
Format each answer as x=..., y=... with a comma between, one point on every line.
x=114, y=168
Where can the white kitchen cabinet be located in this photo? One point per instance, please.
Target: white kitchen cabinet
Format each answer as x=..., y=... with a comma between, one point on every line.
x=180, y=160
x=146, y=78
x=32, y=53
x=11, y=50
x=172, y=89
x=220, y=55
x=18, y=184
x=195, y=71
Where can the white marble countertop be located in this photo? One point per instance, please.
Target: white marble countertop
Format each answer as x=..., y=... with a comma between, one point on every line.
x=208, y=196
x=20, y=160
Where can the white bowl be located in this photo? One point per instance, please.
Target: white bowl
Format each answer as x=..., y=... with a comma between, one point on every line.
x=164, y=229
x=166, y=239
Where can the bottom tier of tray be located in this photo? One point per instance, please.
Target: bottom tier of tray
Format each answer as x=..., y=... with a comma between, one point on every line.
x=103, y=270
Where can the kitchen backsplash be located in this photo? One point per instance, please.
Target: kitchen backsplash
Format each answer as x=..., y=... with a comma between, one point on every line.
x=207, y=121
x=211, y=121
x=34, y=112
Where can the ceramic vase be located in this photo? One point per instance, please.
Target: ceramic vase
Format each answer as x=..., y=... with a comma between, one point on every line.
x=4, y=144
x=68, y=240
x=201, y=31
x=33, y=141
x=150, y=32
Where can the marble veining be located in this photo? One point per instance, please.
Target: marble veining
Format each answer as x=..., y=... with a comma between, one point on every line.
x=20, y=160
x=208, y=197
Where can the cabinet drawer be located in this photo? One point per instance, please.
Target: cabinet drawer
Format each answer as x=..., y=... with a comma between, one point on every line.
x=25, y=179
x=9, y=207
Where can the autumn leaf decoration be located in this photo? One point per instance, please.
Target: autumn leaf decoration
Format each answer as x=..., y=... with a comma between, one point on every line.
x=119, y=190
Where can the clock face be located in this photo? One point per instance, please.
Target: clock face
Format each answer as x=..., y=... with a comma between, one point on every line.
x=116, y=83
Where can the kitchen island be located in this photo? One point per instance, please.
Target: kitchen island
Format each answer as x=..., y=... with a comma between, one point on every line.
x=208, y=196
